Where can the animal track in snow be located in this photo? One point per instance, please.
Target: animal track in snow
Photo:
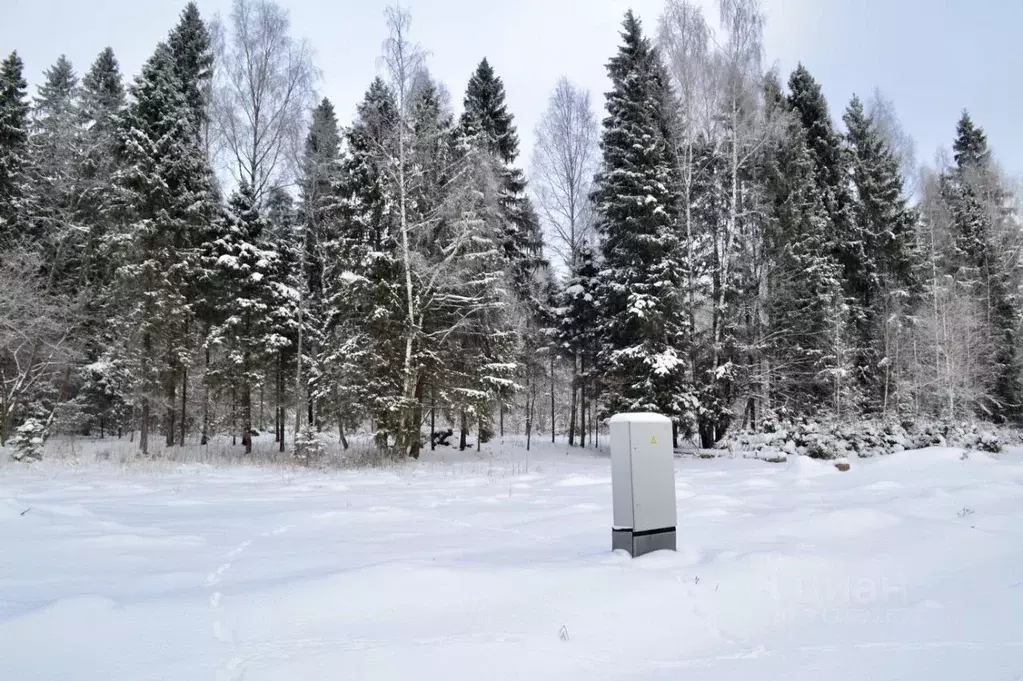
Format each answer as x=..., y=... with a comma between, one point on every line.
x=215, y=576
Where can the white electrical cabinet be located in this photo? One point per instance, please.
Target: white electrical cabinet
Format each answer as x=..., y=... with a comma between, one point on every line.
x=642, y=483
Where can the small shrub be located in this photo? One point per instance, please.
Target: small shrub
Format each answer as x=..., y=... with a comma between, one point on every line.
x=819, y=450
x=486, y=432
x=28, y=440
x=309, y=449
x=989, y=442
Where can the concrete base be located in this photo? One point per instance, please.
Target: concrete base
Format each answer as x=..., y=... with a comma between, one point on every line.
x=639, y=543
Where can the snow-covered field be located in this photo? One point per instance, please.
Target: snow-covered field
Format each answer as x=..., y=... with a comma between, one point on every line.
x=488, y=566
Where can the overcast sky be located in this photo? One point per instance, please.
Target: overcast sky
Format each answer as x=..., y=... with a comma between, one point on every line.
x=931, y=57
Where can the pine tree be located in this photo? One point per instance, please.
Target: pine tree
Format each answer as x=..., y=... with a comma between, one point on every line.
x=163, y=194
x=14, y=157
x=981, y=262
x=56, y=147
x=886, y=224
x=643, y=346
x=488, y=125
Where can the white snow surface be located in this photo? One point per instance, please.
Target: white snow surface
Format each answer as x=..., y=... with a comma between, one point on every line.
x=497, y=565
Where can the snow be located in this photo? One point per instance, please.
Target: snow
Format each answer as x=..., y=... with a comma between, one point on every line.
x=664, y=363
x=639, y=417
x=497, y=565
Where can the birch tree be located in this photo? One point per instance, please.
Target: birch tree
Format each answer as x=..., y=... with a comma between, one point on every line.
x=264, y=90
x=736, y=140
x=685, y=41
x=565, y=157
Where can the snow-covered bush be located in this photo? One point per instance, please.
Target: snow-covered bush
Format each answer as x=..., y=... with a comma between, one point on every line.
x=309, y=449
x=831, y=440
x=28, y=440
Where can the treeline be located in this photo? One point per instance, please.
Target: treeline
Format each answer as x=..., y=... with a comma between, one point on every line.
x=207, y=251
x=761, y=265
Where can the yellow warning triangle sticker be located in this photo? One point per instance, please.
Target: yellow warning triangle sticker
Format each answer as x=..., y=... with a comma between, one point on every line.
x=653, y=440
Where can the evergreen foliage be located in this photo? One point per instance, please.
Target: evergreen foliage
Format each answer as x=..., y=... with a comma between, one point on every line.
x=643, y=341
x=14, y=157
x=741, y=261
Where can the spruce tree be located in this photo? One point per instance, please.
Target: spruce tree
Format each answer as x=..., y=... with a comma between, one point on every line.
x=578, y=320
x=101, y=104
x=361, y=328
x=318, y=208
x=14, y=156
x=249, y=297
x=164, y=193
x=643, y=344
x=488, y=125
x=832, y=174
x=370, y=220
x=56, y=148
x=980, y=261
x=886, y=224
x=193, y=59
x=285, y=280
x=804, y=302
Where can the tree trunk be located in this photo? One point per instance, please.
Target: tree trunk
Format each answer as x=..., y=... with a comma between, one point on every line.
x=247, y=416
x=500, y=409
x=582, y=402
x=277, y=400
x=184, y=402
x=572, y=408
x=280, y=415
x=204, y=439
x=553, y=429
x=144, y=428
x=298, y=367
x=341, y=432
x=706, y=436
x=463, y=428
x=479, y=433
x=415, y=444
x=234, y=416
x=530, y=403
x=433, y=417
x=172, y=407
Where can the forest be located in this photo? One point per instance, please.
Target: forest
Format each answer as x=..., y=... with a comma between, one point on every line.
x=204, y=250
